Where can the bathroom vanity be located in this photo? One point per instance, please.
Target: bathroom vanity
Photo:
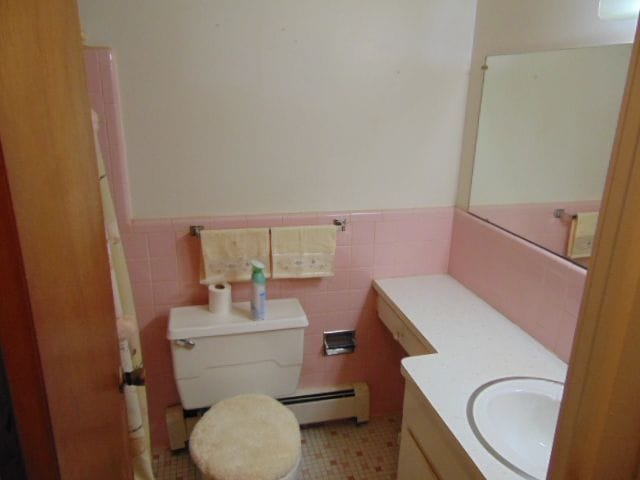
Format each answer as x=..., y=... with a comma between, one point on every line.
x=457, y=344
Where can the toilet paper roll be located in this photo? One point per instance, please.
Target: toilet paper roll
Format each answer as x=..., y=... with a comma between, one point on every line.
x=220, y=297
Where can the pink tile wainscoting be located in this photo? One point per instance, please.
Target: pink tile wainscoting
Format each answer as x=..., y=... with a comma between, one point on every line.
x=104, y=96
x=164, y=263
x=535, y=289
x=535, y=221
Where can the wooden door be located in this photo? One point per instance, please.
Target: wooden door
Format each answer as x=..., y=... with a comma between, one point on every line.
x=58, y=328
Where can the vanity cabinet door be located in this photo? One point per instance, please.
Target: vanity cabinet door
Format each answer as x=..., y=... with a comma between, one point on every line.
x=412, y=463
x=441, y=450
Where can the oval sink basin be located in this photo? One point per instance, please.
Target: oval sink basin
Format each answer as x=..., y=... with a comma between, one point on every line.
x=515, y=420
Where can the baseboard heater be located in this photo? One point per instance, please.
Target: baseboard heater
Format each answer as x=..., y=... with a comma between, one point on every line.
x=330, y=403
x=309, y=405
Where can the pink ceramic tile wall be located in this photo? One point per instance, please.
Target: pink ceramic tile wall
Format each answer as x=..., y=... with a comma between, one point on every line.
x=164, y=260
x=102, y=84
x=535, y=221
x=164, y=266
x=538, y=291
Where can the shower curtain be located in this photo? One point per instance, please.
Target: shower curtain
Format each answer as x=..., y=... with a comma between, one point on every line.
x=130, y=353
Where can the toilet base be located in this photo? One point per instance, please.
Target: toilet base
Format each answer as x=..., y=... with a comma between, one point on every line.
x=295, y=473
x=292, y=475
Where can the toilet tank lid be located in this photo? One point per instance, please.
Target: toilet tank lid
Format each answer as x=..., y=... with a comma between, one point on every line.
x=197, y=321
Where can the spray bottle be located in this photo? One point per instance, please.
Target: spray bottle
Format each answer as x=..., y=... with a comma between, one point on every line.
x=259, y=296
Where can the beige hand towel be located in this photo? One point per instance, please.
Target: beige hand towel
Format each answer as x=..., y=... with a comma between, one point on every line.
x=301, y=252
x=583, y=230
x=226, y=253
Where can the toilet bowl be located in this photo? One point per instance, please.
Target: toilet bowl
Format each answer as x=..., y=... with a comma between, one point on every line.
x=238, y=366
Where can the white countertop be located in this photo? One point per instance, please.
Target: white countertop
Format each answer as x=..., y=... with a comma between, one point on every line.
x=474, y=343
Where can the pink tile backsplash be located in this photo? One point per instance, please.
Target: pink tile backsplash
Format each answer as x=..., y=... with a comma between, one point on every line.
x=538, y=291
x=164, y=262
x=535, y=221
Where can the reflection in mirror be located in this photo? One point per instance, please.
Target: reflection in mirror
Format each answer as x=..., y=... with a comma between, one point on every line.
x=547, y=125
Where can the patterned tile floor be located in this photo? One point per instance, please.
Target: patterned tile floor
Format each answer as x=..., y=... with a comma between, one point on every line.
x=331, y=451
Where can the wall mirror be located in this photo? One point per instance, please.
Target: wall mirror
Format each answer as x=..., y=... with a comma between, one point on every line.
x=547, y=125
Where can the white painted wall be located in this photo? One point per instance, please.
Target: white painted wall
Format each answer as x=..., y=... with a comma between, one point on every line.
x=508, y=26
x=547, y=124
x=250, y=106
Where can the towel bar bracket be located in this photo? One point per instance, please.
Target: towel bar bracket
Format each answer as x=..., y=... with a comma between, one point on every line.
x=562, y=214
x=194, y=230
x=342, y=224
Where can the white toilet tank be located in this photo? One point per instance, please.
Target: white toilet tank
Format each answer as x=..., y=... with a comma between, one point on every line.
x=218, y=356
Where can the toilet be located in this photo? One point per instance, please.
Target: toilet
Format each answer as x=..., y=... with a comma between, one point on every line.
x=238, y=366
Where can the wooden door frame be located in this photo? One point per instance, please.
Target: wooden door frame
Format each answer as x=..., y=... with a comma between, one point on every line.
x=598, y=434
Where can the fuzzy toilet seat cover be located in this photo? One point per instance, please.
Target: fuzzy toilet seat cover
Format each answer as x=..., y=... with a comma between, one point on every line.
x=246, y=437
